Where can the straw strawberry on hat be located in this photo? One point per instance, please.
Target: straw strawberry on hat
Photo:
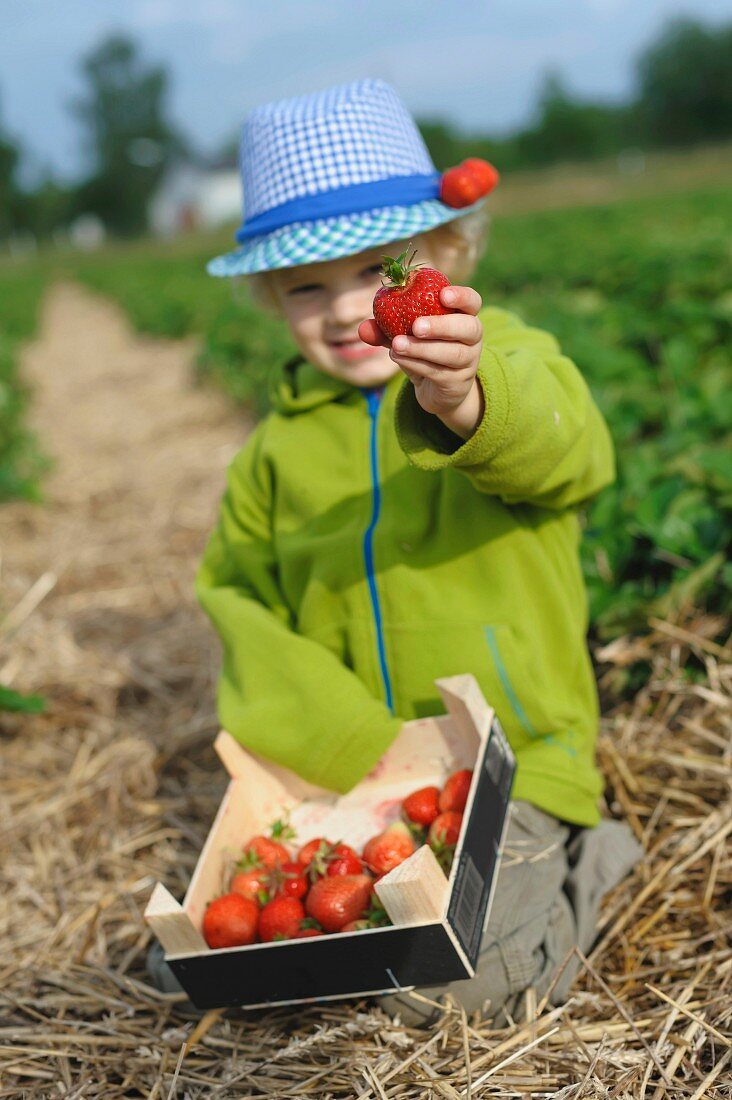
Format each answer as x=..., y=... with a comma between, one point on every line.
x=467, y=182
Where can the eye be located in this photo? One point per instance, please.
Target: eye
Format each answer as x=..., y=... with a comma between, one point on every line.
x=304, y=289
x=373, y=270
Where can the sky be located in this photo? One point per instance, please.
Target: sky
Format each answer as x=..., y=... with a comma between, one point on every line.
x=476, y=63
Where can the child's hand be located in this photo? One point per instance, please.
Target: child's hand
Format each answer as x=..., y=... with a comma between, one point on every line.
x=441, y=359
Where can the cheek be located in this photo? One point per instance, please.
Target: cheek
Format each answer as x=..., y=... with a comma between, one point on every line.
x=305, y=321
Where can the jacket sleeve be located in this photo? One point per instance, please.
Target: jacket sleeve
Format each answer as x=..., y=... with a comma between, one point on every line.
x=280, y=694
x=542, y=440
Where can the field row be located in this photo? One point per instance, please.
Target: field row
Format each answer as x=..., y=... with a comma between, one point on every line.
x=638, y=294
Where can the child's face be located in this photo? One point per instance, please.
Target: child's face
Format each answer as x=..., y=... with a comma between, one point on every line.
x=324, y=304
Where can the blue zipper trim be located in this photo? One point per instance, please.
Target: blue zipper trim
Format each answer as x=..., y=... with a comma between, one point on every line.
x=513, y=698
x=507, y=685
x=373, y=401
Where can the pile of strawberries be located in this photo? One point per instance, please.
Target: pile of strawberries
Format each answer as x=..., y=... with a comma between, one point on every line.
x=324, y=887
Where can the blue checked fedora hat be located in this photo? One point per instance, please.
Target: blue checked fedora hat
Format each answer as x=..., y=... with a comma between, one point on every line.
x=330, y=174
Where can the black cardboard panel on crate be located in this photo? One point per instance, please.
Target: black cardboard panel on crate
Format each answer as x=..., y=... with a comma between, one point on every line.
x=476, y=865
x=327, y=966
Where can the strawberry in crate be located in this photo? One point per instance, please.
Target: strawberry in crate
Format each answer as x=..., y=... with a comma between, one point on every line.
x=327, y=887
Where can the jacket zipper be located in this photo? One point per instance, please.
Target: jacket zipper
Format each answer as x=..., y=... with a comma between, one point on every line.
x=373, y=401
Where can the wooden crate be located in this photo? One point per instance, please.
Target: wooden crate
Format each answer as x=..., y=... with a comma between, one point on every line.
x=437, y=922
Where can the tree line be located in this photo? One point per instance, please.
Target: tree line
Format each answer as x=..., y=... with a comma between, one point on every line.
x=682, y=96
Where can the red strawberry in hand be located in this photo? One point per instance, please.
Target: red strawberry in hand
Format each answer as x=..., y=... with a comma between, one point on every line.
x=412, y=291
x=280, y=919
x=390, y=848
x=230, y=921
x=421, y=806
x=334, y=901
x=454, y=794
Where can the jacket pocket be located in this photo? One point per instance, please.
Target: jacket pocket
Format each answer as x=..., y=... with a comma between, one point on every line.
x=497, y=638
x=536, y=695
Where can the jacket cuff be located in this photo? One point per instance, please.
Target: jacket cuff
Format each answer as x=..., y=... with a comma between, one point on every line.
x=357, y=753
x=429, y=445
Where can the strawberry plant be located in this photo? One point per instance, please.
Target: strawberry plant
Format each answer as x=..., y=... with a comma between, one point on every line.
x=637, y=294
x=21, y=460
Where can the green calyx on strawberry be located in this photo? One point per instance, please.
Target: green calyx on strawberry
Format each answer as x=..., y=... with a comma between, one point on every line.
x=281, y=830
x=250, y=861
x=269, y=850
x=376, y=914
x=398, y=270
x=288, y=880
x=330, y=859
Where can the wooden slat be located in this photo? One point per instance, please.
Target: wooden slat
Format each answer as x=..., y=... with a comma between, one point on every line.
x=416, y=890
x=171, y=924
x=467, y=708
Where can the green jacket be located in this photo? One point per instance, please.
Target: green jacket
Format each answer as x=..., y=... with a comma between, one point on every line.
x=363, y=550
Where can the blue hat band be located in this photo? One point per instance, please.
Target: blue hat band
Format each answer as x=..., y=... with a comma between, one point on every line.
x=353, y=199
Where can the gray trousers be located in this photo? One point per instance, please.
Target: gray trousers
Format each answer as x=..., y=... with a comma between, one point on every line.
x=547, y=897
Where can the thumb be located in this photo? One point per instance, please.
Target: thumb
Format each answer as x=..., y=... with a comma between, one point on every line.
x=370, y=333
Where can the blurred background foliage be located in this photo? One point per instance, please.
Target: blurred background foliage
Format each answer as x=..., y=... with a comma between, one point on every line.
x=682, y=96
x=636, y=289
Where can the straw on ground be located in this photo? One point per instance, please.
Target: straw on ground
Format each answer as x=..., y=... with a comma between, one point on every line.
x=115, y=787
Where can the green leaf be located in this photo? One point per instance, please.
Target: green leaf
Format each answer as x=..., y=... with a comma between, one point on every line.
x=25, y=704
x=689, y=587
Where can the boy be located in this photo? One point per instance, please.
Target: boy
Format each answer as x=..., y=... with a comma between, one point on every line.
x=378, y=531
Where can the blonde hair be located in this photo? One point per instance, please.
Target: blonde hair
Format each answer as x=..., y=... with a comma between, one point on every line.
x=462, y=243
x=457, y=245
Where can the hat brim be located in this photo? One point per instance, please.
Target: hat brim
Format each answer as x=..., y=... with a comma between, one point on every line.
x=332, y=238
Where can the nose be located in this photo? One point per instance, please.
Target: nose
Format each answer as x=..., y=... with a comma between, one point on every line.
x=346, y=309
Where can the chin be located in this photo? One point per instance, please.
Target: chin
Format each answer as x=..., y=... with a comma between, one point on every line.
x=368, y=372
x=371, y=374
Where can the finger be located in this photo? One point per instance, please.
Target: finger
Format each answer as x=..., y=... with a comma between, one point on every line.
x=461, y=297
x=424, y=368
x=452, y=356
x=449, y=326
x=370, y=333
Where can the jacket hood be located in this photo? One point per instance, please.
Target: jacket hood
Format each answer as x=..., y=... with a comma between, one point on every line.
x=299, y=386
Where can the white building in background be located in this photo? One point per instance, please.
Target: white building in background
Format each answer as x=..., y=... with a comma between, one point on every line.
x=87, y=232
x=194, y=196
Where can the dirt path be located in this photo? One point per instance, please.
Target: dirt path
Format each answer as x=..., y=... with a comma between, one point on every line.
x=139, y=457
x=139, y=453
x=116, y=784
